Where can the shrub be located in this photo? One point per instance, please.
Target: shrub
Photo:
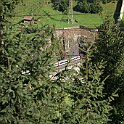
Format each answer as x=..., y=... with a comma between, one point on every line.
x=88, y=6
x=96, y=7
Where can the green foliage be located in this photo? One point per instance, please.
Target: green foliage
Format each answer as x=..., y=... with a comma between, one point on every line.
x=45, y=14
x=61, y=5
x=107, y=1
x=24, y=75
x=111, y=39
x=96, y=7
x=29, y=96
x=6, y=8
x=88, y=6
x=103, y=1
x=83, y=7
x=110, y=50
x=79, y=97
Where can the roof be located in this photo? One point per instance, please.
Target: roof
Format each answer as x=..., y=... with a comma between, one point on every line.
x=28, y=18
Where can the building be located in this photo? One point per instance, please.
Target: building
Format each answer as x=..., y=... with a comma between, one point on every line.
x=28, y=20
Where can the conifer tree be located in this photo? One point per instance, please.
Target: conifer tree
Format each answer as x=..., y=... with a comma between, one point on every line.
x=6, y=9
x=25, y=65
x=110, y=50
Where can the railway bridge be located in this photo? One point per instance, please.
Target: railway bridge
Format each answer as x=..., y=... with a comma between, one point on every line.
x=70, y=63
x=74, y=37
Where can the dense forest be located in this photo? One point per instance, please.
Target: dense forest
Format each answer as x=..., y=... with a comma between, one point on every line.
x=93, y=95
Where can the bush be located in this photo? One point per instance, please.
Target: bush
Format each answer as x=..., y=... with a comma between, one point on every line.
x=96, y=8
x=84, y=7
x=88, y=7
x=60, y=5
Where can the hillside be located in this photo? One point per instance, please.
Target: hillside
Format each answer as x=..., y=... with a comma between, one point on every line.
x=44, y=14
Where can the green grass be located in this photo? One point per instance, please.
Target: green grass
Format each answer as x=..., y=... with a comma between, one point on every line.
x=109, y=8
x=44, y=14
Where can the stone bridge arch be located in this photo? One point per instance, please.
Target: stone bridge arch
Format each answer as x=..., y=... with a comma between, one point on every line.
x=72, y=39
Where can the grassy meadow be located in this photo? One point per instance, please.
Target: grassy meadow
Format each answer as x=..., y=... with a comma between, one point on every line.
x=43, y=13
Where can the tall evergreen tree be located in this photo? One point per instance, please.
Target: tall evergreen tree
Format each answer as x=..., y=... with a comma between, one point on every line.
x=24, y=73
x=6, y=8
x=110, y=50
